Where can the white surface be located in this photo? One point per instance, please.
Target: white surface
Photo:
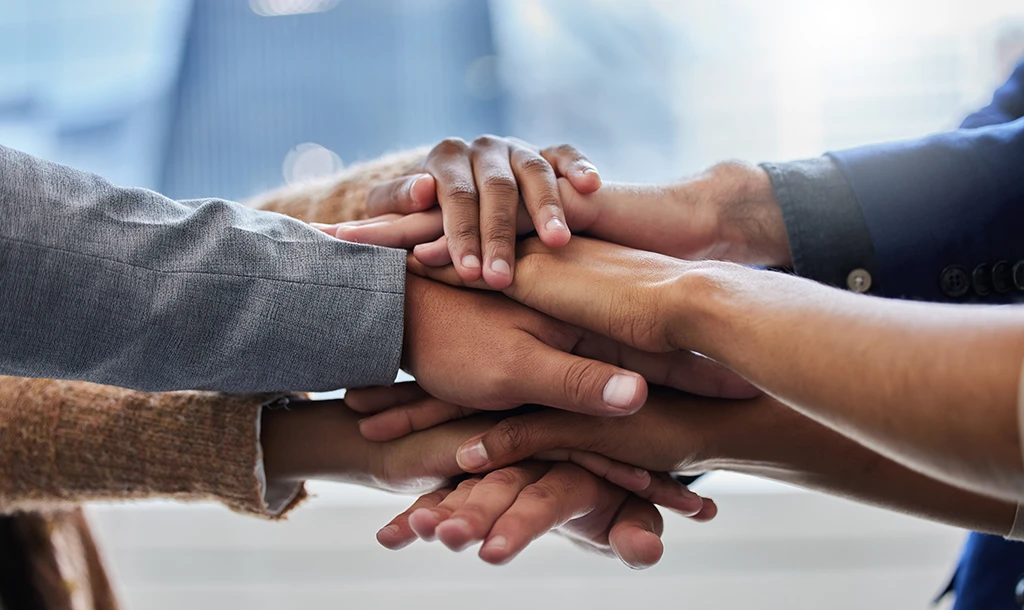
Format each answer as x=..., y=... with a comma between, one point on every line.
x=771, y=547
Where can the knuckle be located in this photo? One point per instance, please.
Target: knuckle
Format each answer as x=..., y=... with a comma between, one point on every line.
x=506, y=477
x=450, y=146
x=465, y=234
x=514, y=435
x=567, y=150
x=502, y=185
x=501, y=231
x=535, y=165
x=462, y=193
x=580, y=380
x=488, y=141
x=539, y=492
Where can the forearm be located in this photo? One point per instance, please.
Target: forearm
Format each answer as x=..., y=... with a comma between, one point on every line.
x=932, y=386
x=767, y=439
x=126, y=287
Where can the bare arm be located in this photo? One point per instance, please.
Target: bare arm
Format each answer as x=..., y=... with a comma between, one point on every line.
x=761, y=437
x=931, y=386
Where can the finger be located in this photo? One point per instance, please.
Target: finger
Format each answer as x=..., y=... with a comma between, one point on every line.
x=380, y=398
x=425, y=520
x=666, y=491
x=397, y=534
x=446, y=275
x=707, y=512
x=556, y=379
x=625, y=476
x=434, y=254
x=499, y=205
x=537, y=182
x=635, y=535
x=402, y=195
x=563, y=493
x=680, y=369
x=488, y=500
x=459, y=200
x=575, y=166
x=517, y=438
x=399, y=421
x=395, y=231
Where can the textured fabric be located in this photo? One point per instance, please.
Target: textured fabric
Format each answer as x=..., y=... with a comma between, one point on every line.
x=954, y=198
x=126, y=287
x=69, y=442
x=826, y=230
x=47, y=555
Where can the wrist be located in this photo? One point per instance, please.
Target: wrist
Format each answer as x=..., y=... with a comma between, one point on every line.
x=313, y=440
x=706, y=308
x=750, y=220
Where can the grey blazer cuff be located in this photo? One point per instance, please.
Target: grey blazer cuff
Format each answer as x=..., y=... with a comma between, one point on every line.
x=828, y=235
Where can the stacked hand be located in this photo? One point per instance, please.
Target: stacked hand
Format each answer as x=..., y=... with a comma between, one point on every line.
x=472, y=351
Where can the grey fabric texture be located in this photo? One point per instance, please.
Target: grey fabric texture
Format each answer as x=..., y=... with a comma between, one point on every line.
x=828, y=235
x=125, y=287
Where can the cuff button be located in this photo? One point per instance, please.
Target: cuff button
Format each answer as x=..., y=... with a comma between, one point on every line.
x=1002, y=277
x=955, y=282
x=859, y=280
x=981, y=280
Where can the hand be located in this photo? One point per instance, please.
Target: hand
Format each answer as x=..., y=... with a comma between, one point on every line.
x=511, y=507
x=321, y=440
x=487, y=352
x=477, y=187
x=673, y=433
x=726, y=213
x=641, y=299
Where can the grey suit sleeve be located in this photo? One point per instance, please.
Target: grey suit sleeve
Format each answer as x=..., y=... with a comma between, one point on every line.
x=828, y=235
x=123, y=286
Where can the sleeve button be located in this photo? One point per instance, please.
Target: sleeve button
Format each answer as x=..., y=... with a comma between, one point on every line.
x=859, y=280
x=981, y=279
x=955, y=282
x=1018, y=275
x=1002, y=277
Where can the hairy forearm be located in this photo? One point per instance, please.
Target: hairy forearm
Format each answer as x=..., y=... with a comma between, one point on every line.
x=931, y=386
x=768, y=439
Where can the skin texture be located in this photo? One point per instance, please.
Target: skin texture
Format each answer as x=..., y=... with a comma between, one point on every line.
x=900, y=362
x=762, y=437
x=728, y=212
x=321, y=440
x=478, y=187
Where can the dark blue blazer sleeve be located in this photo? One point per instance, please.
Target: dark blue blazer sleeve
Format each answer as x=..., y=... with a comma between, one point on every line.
x=946, y=212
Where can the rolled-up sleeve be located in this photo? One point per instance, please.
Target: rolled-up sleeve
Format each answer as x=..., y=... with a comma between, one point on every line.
x=123, y=286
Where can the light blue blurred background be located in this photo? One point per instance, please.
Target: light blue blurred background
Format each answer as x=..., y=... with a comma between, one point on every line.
x=230, y=97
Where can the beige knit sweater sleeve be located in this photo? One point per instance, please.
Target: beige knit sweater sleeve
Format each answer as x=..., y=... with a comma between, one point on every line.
x=67, y=442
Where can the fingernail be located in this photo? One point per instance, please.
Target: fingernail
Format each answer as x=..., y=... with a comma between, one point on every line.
x=640, y=472
x=471, y=457
x=500, y=267
x=620, y=390
x=391, y=530
x=470, y=262
x=412, y=189
x=554, y=225
x=498, y=543
x=320, y=225
x=461, y=524
x=587, y=168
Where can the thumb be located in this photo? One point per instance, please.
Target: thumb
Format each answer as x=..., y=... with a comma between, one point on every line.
x=556, y=379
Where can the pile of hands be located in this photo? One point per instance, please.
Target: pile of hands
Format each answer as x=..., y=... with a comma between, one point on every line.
x=536, y=408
